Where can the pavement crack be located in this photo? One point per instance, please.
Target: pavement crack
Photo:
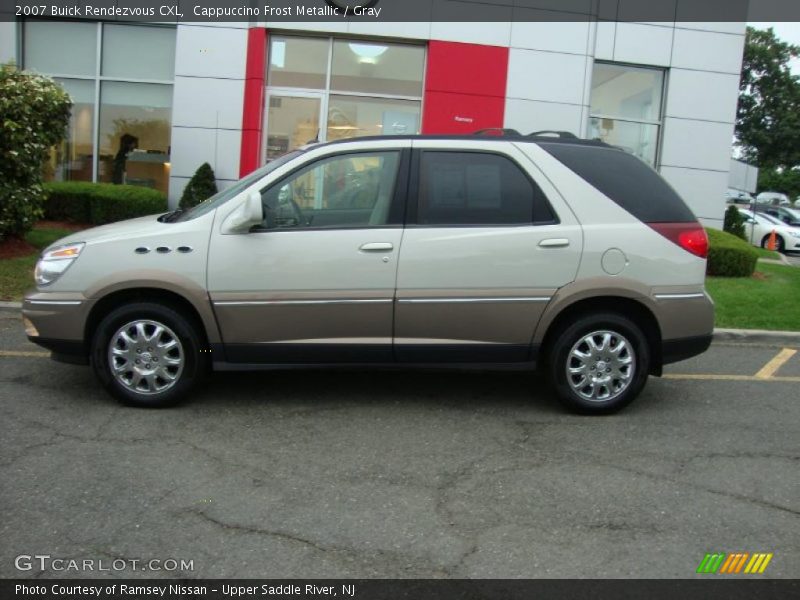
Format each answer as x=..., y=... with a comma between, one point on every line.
x=727, y=494
x=247, y=529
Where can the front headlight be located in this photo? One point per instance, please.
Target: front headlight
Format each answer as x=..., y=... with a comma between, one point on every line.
x=55, y=261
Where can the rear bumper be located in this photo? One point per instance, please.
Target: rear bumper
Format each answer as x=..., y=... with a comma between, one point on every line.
x=683, y=348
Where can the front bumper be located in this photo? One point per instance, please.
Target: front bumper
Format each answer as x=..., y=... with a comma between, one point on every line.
x=57, y=321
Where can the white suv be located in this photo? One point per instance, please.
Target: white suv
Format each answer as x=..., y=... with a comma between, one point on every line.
x=451, y=251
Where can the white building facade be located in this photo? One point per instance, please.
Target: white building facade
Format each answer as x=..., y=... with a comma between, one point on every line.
x=237, y=94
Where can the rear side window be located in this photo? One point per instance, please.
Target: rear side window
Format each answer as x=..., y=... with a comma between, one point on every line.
x=474, y=188
x=626, y=180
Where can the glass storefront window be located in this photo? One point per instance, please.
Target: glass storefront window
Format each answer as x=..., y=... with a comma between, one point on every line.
x=72, y=159
x=327, y=89
x=350, y=116
x=291, y=123
x=377, y=68
x=639, y=139
x=126, y=137
x=626, y=108
x=135, y=122
x=627, y=92
x=138, y=52
x=298, y=62
x=61, y=48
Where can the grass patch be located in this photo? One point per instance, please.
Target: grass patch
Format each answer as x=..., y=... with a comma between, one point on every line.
x=43, y=237
x=16, y=274
x=762, y=253
x=768, y=300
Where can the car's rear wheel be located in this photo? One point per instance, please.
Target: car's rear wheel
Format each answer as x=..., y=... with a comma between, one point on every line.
x=147, y=354
x=599, y=363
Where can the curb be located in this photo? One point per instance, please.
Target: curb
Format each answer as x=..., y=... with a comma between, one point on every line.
x=764, y=336
x=775, y=261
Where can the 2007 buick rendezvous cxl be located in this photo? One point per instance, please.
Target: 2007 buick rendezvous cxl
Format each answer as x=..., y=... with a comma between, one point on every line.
x=481, y=250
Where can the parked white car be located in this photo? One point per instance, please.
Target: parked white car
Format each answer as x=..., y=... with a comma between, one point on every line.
x=738, y=197
x=776, y=198
x=758, y=228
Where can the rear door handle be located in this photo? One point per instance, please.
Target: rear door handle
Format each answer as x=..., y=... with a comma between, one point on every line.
x=377, y=247
x=554, y=243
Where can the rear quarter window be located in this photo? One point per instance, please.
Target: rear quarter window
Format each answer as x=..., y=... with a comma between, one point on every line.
x=626, y=180
x=477, y=188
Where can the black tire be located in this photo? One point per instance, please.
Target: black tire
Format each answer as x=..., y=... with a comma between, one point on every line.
x=559, y=359
x=779, y=245
x=190, y=349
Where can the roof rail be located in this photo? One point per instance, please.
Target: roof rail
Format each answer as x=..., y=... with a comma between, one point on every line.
x=498, y=132
x=551, y=133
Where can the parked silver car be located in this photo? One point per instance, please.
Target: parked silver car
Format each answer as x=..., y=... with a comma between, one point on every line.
x=404, y=251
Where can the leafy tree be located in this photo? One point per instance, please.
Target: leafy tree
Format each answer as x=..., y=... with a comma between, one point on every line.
x=734, y=222
x=768, y=116
x=202, y=185
x=34, y=113
x=780, y=180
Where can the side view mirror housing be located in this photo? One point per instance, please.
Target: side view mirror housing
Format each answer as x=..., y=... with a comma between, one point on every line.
x=249, y=213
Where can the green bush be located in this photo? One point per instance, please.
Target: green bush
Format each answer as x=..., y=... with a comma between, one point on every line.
x=202, y=185
x=734, y=223
x=729, y=256
x=99, y=203
x=34, y=112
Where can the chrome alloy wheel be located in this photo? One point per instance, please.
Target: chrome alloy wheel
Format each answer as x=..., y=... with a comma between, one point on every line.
x=601, y=365
x=146, y=357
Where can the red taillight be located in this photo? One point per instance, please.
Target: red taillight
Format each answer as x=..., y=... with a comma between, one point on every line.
x=689, y=236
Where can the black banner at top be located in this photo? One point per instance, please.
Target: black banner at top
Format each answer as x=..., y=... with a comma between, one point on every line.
x=475, y=11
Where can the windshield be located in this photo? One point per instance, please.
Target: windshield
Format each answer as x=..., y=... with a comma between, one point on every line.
x=770, y=219
x=222, y=197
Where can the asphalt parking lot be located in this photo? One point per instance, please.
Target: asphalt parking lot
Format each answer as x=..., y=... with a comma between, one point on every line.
x=402, y=474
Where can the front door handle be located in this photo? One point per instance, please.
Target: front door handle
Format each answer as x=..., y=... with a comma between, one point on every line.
x=377, y=247
x=554, y=243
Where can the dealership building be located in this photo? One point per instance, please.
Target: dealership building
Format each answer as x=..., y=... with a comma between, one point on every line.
x=152, y=102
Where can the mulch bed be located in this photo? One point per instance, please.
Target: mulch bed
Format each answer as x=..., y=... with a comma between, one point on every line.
x=62, y=225
x=16, y=247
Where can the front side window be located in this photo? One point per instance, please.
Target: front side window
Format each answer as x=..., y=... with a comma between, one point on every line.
x=626, y=108
x=473, y=188
x=351, y=190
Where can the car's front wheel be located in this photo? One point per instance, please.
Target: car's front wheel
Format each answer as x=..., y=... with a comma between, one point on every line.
x=147, y=354
x=779, y=245
x=599, y=363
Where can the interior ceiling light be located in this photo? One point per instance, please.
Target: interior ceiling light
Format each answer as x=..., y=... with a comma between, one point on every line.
x=368, y=51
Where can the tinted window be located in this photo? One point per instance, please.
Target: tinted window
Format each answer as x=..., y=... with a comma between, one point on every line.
x=471, y=188
x=348, y=190
x=626, y=180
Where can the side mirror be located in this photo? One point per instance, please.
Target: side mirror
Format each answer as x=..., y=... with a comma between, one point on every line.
x=249, y=213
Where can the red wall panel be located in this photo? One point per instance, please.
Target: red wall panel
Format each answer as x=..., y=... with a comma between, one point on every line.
x=465, y=87
x=461, y=113
x=253, y=109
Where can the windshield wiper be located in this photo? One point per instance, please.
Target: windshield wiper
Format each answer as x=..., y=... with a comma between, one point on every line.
x=171, y=216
